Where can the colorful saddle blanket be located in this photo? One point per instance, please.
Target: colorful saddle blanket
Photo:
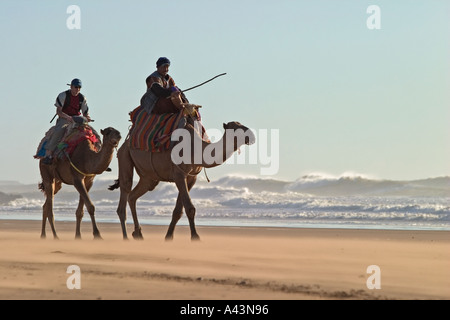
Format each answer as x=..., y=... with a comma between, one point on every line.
x=71, y=139
x=78, y=134
x=40, y=152
x=152, y=132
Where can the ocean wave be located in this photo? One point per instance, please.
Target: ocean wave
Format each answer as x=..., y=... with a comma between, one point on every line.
x=347, y=184
x=23, y=204
x=346, y=199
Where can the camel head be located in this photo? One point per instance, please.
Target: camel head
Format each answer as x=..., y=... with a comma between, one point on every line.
x=111, y=135
x=239, y=129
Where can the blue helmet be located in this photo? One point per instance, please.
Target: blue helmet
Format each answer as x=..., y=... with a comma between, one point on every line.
x=76, y=83
x=162, y=61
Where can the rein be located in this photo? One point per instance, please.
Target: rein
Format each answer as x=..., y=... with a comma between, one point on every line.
x=78, y=170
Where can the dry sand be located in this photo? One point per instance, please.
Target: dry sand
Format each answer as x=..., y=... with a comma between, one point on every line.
x=228, y=263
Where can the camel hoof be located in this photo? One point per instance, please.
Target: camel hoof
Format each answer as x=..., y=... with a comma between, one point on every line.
x=137, y=235
x=78, y=237
x=169, y=237
x=43, y=237
x=97, y=237
x=195, y=237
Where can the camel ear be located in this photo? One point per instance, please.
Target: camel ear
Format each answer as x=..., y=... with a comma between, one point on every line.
x=105, y=131
x=224, y=125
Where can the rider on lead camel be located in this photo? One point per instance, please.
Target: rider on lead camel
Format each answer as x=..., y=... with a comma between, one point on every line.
x=162, y=95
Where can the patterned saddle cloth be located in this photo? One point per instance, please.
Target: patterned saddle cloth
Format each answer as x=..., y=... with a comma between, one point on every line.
x=74, y=135
x=78, y=134
x=152, y=132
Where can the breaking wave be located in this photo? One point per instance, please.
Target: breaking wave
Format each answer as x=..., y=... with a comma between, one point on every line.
x=315, y=200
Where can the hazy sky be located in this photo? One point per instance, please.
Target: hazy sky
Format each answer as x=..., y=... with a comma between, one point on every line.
x=341, y=96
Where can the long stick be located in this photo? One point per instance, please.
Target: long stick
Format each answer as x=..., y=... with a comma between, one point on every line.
x=53, y=118
x=222, y=74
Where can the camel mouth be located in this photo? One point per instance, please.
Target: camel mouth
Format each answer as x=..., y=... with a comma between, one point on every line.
x=115, y=143
x=249, y=142
x=250, y=139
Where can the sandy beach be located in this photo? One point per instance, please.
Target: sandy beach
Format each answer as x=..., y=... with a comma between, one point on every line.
x=228, y=263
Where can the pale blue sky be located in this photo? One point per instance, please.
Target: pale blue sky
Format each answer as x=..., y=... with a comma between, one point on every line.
x=344, y=98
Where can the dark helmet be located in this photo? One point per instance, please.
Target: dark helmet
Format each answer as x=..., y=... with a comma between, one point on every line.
x=162, y=61
x=76, y=83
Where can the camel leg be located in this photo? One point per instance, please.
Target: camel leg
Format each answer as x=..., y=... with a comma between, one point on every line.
x=126, y=169
x=56, y=187
x=44, y=222
x=51, y=220
x=141, y=188
x=47, y=213
x=79, y=185
x=135, y=194
x=47, y=210
x=44, y=216
x=183, y=189
x=79, y=214
x=176, y=215
x=191, y=213
x=122, y=210
x=49, y=188
x=178, y=211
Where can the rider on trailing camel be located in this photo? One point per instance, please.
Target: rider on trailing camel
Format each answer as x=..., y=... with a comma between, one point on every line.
x=68, y=104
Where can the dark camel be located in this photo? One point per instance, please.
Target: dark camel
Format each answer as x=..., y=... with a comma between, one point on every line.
x=87, y=161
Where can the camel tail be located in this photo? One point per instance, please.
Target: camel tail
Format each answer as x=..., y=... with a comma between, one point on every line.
x=41, y=186
x=115, y=186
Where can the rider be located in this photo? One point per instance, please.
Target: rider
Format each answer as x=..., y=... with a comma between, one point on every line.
x=68, y=104
x=160, y=85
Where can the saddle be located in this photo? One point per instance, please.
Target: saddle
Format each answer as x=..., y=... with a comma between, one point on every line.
x=75, y=134
x=152, y=132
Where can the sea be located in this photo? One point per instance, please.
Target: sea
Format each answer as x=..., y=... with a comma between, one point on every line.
x=311, y=201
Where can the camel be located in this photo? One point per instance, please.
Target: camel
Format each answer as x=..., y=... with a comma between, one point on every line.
x=153, y=167
x=87, y=163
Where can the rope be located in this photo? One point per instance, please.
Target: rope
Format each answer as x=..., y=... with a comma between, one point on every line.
x=207, y=179
x=78, y=170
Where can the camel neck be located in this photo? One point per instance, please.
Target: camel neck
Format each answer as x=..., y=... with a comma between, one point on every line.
x=215, y=154
x=99, y=161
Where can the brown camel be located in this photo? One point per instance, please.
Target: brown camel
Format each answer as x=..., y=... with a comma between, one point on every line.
x=86, y=164
x=153, y=167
